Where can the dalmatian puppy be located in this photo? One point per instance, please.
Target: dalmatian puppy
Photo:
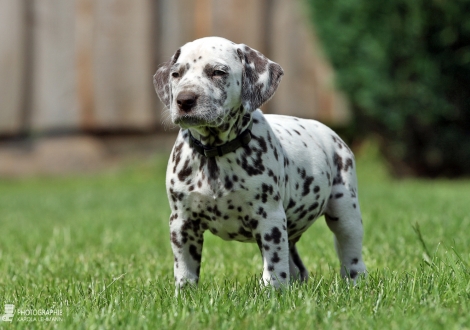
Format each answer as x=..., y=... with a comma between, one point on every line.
x=247, y=176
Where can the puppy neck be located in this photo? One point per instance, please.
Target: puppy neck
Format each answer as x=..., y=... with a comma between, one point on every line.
x=234, y=124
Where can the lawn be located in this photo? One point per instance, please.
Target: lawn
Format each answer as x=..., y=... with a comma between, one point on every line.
x=95, y=250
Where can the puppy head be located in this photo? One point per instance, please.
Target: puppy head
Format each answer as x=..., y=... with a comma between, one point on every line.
x=208, y=78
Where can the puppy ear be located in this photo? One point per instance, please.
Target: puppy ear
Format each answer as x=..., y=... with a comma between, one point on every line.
x=161, y=80
x=261, y=76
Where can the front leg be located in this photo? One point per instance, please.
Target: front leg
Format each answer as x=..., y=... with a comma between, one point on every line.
x=186, y=241
x=272, y=240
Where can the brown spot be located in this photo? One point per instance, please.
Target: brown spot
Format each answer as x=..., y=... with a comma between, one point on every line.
x=185, y=171
x=253, y=223
x=313, y=206
x=174, y=240
x=330, y=218
x=275, y=259
x=349, y=163
x=193, y=252
x=338, y=161
x=275, y=236
x=244, y=232
x=308, y=181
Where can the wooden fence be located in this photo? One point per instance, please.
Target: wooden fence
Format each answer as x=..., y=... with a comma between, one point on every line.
x=87, y=65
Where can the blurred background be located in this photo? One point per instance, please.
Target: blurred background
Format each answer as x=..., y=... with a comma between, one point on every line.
x=76, y=90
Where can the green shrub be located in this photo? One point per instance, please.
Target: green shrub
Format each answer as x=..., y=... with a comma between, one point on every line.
x=405, y=66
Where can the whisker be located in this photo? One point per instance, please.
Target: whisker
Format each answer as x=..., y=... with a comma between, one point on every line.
x=166, y=120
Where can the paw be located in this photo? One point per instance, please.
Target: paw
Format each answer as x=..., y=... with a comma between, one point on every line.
x=354, y=272
x=277, y=281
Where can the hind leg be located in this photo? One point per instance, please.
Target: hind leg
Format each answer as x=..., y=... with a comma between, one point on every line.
x=348, y=242
x=343, y=217
x=296, y=267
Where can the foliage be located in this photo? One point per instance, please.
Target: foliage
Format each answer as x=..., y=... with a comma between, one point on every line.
x=405, y=66
x=97, y=249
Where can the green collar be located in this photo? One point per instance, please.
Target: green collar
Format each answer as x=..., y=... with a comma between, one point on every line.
x=241, y=140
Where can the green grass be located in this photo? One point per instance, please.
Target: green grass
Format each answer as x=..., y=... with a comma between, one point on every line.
x=97, y=249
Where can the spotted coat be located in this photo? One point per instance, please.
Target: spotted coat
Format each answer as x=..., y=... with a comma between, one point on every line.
x=268, y=192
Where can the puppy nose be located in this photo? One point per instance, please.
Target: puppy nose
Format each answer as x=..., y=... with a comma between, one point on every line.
x=186, y=101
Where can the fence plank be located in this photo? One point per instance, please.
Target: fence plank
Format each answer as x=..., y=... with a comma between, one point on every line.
x=12, y=34
x=55, y=105
x=122, y=64
x=177, y=25
x=84, y=65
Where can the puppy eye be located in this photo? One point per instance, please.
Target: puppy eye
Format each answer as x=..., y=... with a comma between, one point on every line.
x=175, y=75
x=218, y=73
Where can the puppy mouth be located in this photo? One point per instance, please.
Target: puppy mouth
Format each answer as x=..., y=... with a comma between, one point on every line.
x=200, y=115
x=187, y=121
